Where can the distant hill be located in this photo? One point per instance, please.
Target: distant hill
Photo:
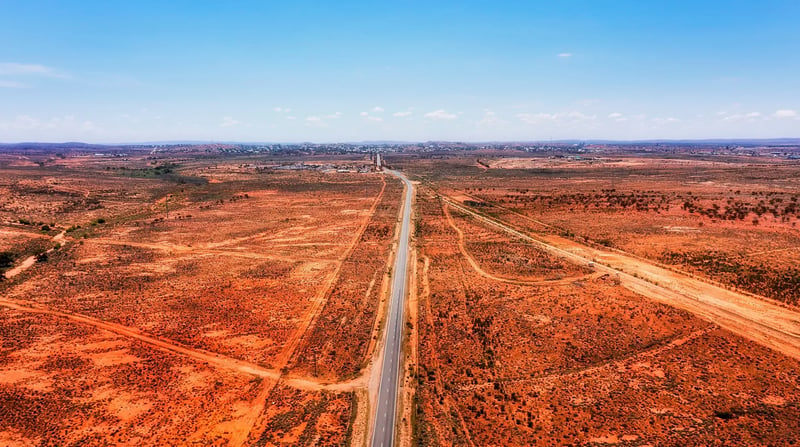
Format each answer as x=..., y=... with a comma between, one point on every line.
x=715, y=141
x=45, y=146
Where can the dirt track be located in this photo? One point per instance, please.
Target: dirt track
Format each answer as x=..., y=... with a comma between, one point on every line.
x=273, y=376
x=28, y=262
x=604, y=366
x=321, y=299
x=198, y=251
x=197, y=354
x=472, y=262
x=217, y=360
x=239, y=437
x=769, y=324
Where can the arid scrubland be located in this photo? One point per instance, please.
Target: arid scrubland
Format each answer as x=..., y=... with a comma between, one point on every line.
x=517, y=346
x=196, y=299
x=175, y=301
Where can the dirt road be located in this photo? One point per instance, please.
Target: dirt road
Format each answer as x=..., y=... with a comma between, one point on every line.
x=462, y=246
x=217, y=360
x=764, y=322
x=30, y=260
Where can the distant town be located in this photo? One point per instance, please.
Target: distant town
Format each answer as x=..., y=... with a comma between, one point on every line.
x=779, y=148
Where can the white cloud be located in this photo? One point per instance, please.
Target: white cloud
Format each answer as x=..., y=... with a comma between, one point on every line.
x=62, y=124
x=278, y=109
x=23, y=122
x=334, y=116
x=559, y=117
x=229, y=121
x=291, y=117
x=490, y=119
x=668, y=120
x=440, y=115
x=366, y=115
x=12, y=84
x=527, y=118
x=377, y=109
x=740, y=116
x=588, y=102
x=13, y=68
x=564, y=55
x=578, y=116
x=785, y=113
x=401, y=114
x=315, y=121
x=615, y=115
x=533, y=118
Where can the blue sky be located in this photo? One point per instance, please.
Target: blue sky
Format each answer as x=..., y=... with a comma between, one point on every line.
x=402, y=70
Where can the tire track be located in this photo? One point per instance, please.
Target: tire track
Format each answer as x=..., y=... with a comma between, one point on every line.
x=766, y=323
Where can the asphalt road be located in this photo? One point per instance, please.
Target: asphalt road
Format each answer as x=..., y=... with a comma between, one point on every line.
x=385, y=415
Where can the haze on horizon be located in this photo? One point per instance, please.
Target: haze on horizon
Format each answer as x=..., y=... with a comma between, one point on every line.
x=321, y=71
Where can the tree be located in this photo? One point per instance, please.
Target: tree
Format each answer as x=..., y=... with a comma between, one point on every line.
x=6, y=261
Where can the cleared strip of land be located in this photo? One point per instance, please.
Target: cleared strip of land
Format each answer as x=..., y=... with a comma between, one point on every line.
x=764, y=322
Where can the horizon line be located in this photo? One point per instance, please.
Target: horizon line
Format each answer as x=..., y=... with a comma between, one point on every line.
x=792, y=140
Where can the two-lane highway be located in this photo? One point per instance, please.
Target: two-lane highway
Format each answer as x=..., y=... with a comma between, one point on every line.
x=385, y=415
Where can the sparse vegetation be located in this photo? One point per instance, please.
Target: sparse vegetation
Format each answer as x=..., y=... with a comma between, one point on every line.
x=268, y=269
x=233, y=270
x=507, y=363
x=760, y=278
